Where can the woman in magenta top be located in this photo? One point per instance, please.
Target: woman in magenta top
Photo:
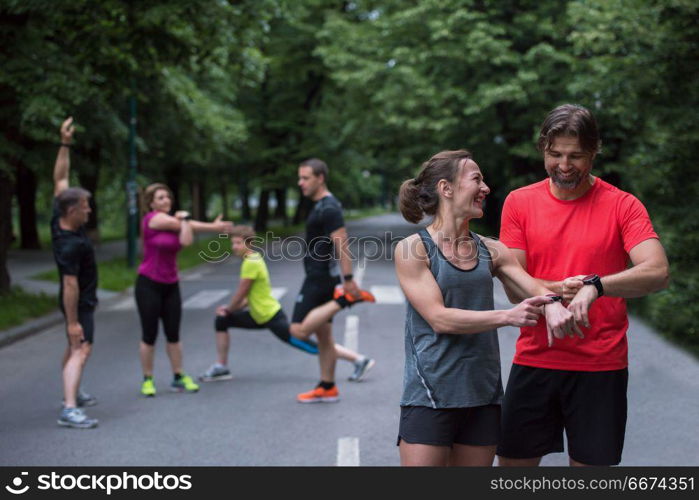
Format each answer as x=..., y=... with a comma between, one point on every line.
x=157, y=288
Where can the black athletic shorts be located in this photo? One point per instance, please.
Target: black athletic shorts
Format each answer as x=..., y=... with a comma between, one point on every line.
x=540, y=403
x=86, y=318
x=476, y=426
x=315, y=291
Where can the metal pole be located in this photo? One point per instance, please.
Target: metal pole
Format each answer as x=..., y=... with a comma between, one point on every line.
x=131, y=187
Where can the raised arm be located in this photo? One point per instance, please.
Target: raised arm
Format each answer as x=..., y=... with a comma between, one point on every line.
x=424, y=295
x=61, y=169
x=217, y=226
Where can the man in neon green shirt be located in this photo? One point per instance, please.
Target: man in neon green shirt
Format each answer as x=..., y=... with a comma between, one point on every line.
x=264, y=311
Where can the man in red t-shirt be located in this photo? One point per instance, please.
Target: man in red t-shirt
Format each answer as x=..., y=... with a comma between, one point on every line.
x=576, y=234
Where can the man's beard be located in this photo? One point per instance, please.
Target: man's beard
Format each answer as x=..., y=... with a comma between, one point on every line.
x=569, y=183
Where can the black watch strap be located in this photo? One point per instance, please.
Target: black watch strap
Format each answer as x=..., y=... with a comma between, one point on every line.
x=596, y=281
x=348, y=277
x=554, y=297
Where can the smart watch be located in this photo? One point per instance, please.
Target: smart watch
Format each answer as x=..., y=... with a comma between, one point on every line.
x=593, y=279
x=554, y=297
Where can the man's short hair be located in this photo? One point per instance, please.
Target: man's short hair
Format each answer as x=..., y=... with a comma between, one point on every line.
x=318, y=166
x=71, y=197
x=570, y=120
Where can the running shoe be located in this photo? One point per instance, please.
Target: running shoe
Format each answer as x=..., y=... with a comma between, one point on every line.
x=361, y=368
x=83, y=399
x=364, y=295
x=148, y=388
x=184, y=384
x=216, y=372
x=76, y=418
x=319, y=395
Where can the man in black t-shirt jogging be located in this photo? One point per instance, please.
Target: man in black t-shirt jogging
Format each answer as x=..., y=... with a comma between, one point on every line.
x=326, y=236
x=77, y=271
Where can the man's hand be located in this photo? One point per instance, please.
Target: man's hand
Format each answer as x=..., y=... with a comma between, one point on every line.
x=580, y=305
x=222, y=311
x=570, y=286
x=75, y=334
x=67, y=129
x=351, y=287
x=560, y=322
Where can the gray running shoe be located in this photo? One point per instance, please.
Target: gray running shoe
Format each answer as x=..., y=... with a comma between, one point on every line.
x=83, y=399
x=214, y=373
x=76, y=418
x=361, y=368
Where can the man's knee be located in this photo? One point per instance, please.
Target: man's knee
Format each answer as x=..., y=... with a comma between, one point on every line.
x=297, y=331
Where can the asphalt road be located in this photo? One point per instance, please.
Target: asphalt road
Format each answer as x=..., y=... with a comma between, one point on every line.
x=254, y=418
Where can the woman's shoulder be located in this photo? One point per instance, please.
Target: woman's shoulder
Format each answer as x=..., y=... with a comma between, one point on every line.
x=411, y=248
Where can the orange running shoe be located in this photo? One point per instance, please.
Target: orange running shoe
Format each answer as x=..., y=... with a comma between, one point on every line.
x=319, y=395
x=364, y=295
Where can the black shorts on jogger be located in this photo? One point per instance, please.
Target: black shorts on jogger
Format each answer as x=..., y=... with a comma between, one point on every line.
x=476, y=426
x=540, y=403
x=315, y=291
x=86, y=318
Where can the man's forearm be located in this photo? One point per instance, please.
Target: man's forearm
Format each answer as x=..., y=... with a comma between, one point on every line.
x=61, y=168
x=636, y=281
x=71, y=294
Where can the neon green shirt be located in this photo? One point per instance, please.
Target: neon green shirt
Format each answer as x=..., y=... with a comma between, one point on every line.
x=263, y=306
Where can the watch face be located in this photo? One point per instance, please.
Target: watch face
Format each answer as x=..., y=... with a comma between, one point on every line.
x=589, y=277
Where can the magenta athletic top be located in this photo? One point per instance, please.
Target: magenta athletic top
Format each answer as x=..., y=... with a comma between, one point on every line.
x=159, y=252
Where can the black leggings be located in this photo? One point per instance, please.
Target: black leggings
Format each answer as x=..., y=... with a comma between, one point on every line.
x=158, y=301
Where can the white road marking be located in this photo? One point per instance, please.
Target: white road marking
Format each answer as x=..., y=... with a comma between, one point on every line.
x=388, y=294
x=193, y=277
x=348, y=452
x=126, y=304
x=205, y=299
x=278, y=292
x=352, y=333
x=359, y=275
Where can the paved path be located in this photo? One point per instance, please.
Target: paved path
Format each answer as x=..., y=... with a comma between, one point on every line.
x=254, y=419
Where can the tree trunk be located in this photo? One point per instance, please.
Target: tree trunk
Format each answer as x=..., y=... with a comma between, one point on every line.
x=172, y=180
x=5, y=229
x=302, y=209
x=224, y=199
x=262, y=217
x=196, y=214
x=202, y=201
x=280, y=213
x=246, y=213
x=26, y=200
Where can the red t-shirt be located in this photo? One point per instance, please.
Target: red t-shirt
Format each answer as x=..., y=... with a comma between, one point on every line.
x=592, y=234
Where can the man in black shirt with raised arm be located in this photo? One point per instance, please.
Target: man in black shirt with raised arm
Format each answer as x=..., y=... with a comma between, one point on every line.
x=77, y=271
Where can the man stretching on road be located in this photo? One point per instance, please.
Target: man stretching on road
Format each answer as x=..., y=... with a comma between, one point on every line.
x=77, y=271
x=264, y=311
x=325, y=236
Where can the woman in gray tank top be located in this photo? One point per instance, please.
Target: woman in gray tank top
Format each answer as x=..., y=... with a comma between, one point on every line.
x=452, y=389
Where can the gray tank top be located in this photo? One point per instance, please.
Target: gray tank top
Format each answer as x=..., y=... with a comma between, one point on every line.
x=453, y=370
